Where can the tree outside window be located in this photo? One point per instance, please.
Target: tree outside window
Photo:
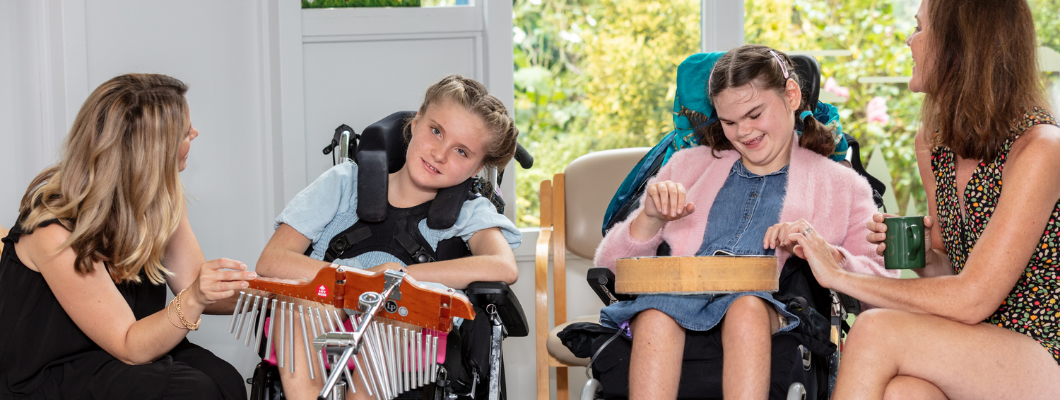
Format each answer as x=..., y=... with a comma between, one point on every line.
x=599, y=74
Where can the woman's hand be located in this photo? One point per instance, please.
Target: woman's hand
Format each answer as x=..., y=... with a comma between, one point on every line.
x=220, y=279
x=821, y=256
x=666, y=201
x=879, y=231
x=780, y=236
x=777, y=235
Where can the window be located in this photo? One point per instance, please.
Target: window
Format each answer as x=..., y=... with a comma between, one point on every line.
x=866, y=65
x=599, y=74
x=593, y=75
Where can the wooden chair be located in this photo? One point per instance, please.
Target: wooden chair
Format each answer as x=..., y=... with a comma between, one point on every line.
x=3, y=233
x=572, y=213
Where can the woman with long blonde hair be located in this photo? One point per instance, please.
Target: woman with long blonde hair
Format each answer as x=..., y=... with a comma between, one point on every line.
x=98, y=238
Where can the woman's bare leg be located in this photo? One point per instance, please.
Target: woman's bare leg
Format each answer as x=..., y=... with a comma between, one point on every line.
x=746, y=341
x=655, y=362
x=962, y=361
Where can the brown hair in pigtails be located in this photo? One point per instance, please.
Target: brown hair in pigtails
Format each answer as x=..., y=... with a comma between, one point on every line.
x=815, y=136
x=768, y=69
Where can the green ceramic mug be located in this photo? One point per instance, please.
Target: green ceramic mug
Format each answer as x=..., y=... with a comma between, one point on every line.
x=905, y=243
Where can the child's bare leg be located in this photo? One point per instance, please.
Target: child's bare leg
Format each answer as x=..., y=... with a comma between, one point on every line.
x=655, y=362
x=746, y=341
x=298, y=386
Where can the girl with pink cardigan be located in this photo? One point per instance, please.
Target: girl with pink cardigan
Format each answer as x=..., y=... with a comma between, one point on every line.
x=757, y=182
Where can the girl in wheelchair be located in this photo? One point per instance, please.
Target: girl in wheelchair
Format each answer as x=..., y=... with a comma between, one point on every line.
x=762, y=175
x=459, y=131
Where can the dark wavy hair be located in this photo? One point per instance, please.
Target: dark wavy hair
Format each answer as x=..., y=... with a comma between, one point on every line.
x=754, y=63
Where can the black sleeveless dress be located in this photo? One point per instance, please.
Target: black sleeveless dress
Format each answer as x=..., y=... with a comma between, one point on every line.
x=44, y=355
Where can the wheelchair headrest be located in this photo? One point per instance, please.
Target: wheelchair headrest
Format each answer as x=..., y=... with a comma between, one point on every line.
x=692, y=106
x=809, y=72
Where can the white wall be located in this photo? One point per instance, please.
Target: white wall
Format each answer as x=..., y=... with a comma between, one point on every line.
x=53, y=52
x=24, y=148
x=249, y=85
x=243, y=60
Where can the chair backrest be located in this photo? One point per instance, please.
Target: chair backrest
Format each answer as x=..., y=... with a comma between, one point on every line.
x=590, y=181
x=3, y=233
x=572, y=210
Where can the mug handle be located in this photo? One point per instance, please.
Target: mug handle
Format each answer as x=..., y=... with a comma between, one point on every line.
x=918, y=241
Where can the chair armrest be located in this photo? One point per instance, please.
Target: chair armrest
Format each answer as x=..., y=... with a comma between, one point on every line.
x=602, y=280
x=502, y=297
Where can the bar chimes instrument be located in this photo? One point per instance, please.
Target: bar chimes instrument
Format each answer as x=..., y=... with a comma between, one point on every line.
x=394, y=343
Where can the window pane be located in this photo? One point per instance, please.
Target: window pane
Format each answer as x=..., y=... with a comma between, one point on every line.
x=865, y=65
x=1048, y=28
x=593, y=75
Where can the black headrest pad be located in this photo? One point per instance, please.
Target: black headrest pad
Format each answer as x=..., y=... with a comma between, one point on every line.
x=447, y=204
x=372, y=183
x=809, y=72
x=388, y=134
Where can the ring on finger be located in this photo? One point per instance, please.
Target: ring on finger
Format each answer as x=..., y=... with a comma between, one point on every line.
x=807, y=231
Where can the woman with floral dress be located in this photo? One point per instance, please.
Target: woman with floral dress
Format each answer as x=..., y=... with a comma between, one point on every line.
x=982, y=320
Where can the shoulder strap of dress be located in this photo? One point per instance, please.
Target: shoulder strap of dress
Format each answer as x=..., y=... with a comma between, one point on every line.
x=16, y=230
x=1036, y=116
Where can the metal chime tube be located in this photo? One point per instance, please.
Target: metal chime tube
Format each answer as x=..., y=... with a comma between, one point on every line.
x=272, y=330
x=235, y=313
x=289, y=319
x=253, y=317
x=318, y=356
x=419, y=359
x=280, y=323
x=242, y=317
x=305, y=341
x=434, y=359
x=259, y=328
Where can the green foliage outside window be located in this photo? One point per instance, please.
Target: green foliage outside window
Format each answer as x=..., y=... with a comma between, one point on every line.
x=359, y=3
x=591, y=75
x=875, y=37
x=599, y=74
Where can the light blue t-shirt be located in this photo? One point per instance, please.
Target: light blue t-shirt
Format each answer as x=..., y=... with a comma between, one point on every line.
x=328, y=206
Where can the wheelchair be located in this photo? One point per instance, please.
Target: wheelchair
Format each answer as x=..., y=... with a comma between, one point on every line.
x=814, y=362
x=475, y=372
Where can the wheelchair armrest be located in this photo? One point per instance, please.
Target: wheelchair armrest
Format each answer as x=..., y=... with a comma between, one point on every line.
x=502, y=297
x=850, y=304
x=602, y=280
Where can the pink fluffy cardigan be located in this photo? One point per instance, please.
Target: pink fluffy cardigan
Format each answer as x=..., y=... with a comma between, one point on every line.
x=831, y=197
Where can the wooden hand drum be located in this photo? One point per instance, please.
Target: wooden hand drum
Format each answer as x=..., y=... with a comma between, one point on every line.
x=696, y=275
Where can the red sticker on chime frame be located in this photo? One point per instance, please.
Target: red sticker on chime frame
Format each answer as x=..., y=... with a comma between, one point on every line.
x=322, y=291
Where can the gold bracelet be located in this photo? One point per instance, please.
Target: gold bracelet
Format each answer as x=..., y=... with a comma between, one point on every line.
x=180, y=313
x=169, y=311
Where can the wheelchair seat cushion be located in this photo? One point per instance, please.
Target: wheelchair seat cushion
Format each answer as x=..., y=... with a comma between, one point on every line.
x=559, y=340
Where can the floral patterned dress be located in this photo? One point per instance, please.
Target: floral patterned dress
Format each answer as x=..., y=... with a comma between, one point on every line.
x=1031, y=307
